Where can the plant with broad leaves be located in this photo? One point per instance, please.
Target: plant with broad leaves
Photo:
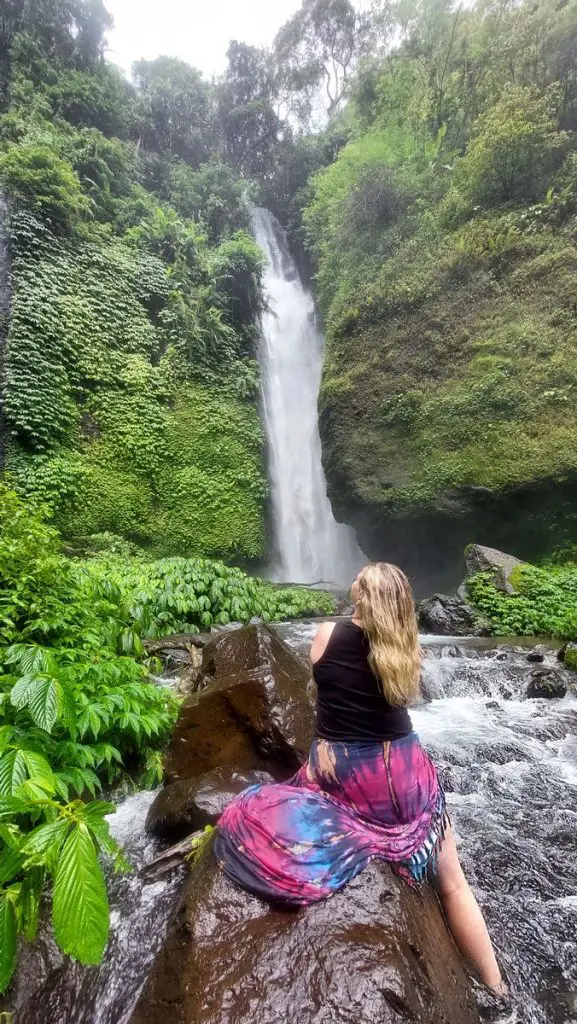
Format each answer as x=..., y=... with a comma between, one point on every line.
x=45, y=840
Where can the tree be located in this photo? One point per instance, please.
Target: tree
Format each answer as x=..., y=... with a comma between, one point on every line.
x=319, y=45
x=249, y=124
x=212, y=195
x=173, y=109
x=101, y=98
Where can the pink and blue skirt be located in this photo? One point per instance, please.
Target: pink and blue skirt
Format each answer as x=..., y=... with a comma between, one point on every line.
x=301, y=841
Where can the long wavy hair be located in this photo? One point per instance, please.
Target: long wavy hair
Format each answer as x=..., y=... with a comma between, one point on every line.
x=386, y=610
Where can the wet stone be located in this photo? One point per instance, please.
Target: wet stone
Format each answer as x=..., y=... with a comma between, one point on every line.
x=376, y=953
x=190, y=804
x=547, y=683
x=253, y=713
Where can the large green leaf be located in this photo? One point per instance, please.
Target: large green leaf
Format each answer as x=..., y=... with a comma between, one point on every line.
x=12, y=771
x=11, y=806
x=7, y=940
x=44, y=702
x=80, y=904
x=20, y=691
x=44, y=843
x=10, y=865
x=42, y=695
x=39, y=769
x=29, y=902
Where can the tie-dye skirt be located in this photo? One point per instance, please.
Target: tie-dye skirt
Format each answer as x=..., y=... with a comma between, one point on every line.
x=301, y=841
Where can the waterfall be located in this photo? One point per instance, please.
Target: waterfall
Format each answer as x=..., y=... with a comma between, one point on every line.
x=310, y=545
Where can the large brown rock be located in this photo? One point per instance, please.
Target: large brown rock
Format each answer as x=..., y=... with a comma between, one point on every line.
x=254, y=712
x=376, y=953
x=191, y=804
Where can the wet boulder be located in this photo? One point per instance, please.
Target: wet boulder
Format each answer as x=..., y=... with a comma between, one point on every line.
x=376, y=952
x=187, y=805
x=446, y=616
x=479, y=558
x=547, y=682
x=253, y=711
x=568, y=656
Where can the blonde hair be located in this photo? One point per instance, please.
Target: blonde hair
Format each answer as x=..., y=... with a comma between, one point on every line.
x=386, y=611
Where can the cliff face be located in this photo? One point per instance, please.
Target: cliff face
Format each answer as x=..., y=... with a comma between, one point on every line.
x=453, y=417
x=112, y=422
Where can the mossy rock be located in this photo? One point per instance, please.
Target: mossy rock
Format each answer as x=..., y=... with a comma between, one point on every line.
x=448, y=414
x=570, y=657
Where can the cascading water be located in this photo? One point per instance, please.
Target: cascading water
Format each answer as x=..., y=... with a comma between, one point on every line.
x=310, y=545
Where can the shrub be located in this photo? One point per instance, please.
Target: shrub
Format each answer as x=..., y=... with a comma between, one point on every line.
x=36, y=178
x=78, y=711
x=516, y=145
x=545, y=602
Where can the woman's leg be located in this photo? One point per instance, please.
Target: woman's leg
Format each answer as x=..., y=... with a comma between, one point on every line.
x=464, y=916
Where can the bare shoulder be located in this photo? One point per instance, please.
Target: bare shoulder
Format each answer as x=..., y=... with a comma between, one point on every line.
x=321, y=640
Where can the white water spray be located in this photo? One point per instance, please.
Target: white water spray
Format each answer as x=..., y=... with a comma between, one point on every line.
x=310, y=545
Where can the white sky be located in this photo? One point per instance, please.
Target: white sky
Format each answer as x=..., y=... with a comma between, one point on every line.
x=197, y=31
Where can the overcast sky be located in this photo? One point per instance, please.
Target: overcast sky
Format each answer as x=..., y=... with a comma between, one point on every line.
x=198, y=31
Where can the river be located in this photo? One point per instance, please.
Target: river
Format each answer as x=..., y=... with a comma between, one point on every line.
x=509, y=766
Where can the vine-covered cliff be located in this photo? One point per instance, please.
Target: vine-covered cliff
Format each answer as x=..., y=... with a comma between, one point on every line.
x=130, y=381
x=445, y=239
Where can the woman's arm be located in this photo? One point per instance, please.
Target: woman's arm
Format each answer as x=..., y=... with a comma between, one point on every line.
x=320, y=641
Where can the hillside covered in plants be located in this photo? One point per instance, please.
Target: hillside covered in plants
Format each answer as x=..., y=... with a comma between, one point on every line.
x=129, y=370
x=445, y=238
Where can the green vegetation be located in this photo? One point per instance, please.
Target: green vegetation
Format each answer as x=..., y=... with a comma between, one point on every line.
x=129, y=371
x=79, y=711
x=544, y=604
x=444, y=236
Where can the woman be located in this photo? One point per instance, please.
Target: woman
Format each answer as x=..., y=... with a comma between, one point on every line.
x=369, y=790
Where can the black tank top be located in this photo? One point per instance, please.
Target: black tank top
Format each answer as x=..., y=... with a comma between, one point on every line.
x=350, y=702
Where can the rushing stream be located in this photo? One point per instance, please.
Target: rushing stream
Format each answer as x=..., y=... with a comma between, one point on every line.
x=510, y=770
x=310, y=546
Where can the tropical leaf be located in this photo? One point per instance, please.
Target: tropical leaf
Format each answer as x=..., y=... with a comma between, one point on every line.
x=11, y=862
x=29, y=901
x=12, y=771
x=39, y=770
x=7, y=939
x=42, y=695
x=20, y=691
x=45, y=842
x=80, y=903
x=11, y=806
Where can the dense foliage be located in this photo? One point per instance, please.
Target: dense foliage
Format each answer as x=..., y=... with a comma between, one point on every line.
x=79, y=711
x=544, y=602
x=444, y=235
x=129, y=360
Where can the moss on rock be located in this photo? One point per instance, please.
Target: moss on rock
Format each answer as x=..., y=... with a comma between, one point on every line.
x=462, y=396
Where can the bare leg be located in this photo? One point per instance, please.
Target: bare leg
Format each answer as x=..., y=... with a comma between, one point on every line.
x=464, y=916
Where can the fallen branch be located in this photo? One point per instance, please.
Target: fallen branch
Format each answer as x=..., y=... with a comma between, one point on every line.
x=172, y=858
